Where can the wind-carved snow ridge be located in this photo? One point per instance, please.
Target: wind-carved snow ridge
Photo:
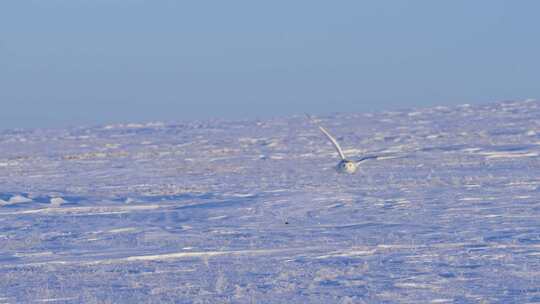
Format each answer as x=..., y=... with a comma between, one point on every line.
x=253, y=211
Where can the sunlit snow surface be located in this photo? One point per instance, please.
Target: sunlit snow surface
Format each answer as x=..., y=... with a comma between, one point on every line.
x=254, y=212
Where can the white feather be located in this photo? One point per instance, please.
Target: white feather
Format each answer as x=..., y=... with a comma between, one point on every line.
x=334, y=142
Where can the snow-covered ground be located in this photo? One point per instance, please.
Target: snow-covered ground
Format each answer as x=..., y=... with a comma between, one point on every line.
x=254, y=212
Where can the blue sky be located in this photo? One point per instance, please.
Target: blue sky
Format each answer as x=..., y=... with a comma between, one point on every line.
x=76, y=62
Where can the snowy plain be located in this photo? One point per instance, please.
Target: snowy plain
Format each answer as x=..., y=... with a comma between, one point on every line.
x=254, y=212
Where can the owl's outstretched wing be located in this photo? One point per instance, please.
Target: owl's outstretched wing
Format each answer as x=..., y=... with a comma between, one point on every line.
x=381, y=156
x=334, y=142
x=366, y=158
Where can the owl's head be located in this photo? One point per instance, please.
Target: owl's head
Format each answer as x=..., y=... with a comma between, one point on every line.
x=347, y=166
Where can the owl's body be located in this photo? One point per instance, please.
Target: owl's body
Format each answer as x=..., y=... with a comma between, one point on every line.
x=346, y=166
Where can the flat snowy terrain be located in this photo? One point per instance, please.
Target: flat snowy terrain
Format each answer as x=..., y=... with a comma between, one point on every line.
x=254, y=212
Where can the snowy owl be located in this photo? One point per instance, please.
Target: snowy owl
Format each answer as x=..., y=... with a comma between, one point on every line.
x=345, y=165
